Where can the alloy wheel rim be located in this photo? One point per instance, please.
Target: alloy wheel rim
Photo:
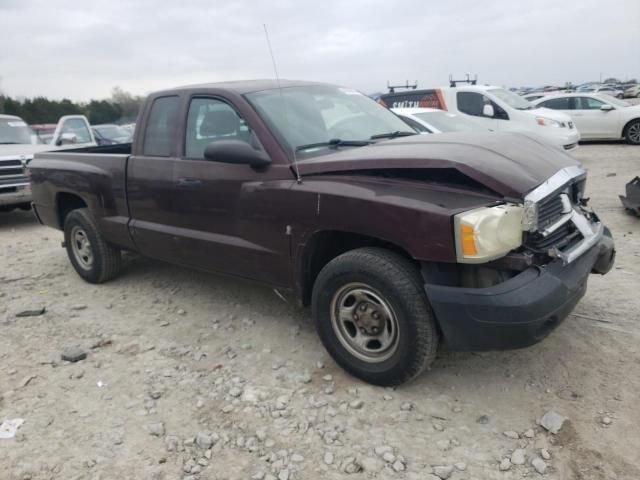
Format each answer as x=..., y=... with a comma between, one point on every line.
x=364, y=323
x=634, y=132
x=81, y=247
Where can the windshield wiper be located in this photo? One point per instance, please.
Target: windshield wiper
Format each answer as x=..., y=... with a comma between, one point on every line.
x=395, y=134
x=334, y=143
x=9, y=143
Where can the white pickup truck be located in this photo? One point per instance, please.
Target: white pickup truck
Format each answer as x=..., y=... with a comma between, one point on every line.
x=494, y=108
x=18, y=144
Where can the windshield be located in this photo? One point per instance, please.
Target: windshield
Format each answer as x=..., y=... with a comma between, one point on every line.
x=511, y=99
x=449, y=122
x=112, y=131
x=614, y=101
x=14, y=130
x=318, y=116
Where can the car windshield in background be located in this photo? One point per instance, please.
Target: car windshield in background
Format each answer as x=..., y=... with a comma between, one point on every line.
x=312, y=119
x=15, y=131
x=613, y=100
x=113, y=132
x=511, y=99
x=449, y=122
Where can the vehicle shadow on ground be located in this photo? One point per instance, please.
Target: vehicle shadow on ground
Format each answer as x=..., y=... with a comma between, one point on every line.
x=467, y=371
x=605, y=142
x=16, y=219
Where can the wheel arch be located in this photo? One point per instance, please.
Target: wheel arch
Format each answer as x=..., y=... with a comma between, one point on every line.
x=67, y=202
x=325, y=245
x=626, y=125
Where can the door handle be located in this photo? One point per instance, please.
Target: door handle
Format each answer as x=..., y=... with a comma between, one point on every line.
x=189, y=182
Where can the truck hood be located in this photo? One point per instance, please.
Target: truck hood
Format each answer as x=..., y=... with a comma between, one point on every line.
x=510, y=164
x=28, y=150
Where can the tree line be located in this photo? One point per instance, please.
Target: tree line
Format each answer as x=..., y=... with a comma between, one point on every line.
x=121, y=107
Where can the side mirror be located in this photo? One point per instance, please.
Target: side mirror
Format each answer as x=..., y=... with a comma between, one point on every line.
x=67, y=139
x=607, y=108
x=237, y=152
x=488, y=111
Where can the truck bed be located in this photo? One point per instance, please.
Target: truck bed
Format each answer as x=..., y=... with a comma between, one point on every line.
x=120, y=148
x=94, y=177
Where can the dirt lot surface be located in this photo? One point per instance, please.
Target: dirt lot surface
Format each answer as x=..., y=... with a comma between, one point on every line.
x=195, y=376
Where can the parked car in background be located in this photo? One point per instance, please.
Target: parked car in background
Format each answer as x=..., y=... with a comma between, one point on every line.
x=604, y=90
x=632, y=91
x=18, y=144
x=597, y=116
x=399, y=242
x=129, y=127
x=432, y=120
x=111, y=134
x=44, y=131
x=530, y=97
x=492, y=107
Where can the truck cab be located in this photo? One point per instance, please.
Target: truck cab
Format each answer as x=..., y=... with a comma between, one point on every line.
x=494, y=108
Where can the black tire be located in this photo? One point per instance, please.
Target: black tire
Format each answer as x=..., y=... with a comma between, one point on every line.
x=397, y=282
x=105, y=261
x=632, y=132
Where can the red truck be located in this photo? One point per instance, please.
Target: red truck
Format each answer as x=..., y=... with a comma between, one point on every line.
x=398, y=241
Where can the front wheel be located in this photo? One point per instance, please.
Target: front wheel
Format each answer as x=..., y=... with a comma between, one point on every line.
x=373, y=317
x=91, y=256
x=632, y=133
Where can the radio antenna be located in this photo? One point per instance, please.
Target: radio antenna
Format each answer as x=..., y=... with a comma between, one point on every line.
x=284, y=103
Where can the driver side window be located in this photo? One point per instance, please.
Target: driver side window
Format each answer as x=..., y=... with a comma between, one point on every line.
x=210, y=120
x=587, y=103
x=472, y=103
x=78, y=128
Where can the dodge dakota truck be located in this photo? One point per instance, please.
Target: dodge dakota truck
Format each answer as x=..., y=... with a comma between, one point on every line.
x=399, y=242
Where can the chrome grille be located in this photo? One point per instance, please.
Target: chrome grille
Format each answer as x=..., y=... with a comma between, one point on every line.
x=12, y=174
x=563, y=237
x=550, y=210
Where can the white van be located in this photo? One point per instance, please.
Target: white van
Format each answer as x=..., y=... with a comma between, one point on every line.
x=494, y=108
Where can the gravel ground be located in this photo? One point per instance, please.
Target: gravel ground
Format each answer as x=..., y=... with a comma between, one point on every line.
x=195, y=376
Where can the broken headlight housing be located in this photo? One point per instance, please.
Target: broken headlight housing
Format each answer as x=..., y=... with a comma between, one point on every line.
x=487, y=233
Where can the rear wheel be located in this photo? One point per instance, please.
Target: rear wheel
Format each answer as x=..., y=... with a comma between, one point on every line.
x=632, y=132
x=372, y=316
x=91, y=256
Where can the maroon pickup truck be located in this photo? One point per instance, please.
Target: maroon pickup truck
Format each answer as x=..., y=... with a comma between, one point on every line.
x=398, y=241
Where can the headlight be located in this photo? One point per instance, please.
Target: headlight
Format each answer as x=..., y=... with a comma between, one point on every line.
x=487, y=233
x=547, y=122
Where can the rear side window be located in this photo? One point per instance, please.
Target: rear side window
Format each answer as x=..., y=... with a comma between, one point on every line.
x=161, y=127
x=556, y=103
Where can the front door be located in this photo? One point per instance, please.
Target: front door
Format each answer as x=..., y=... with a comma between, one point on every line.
x=591, y=121
x=227, y=217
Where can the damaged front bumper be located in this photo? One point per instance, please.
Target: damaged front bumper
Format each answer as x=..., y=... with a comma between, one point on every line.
x=522, y=310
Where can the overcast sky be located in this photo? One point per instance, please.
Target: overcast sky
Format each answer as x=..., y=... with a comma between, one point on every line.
x=82, y=49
